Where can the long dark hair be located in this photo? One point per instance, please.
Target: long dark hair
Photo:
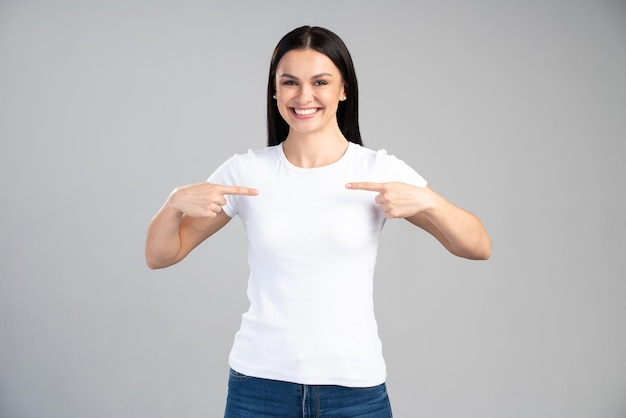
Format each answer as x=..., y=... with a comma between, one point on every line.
x=326, y=42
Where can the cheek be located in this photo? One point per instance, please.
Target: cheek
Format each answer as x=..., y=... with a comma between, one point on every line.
x=283, y=110
x=336, y=95
x=282, y=98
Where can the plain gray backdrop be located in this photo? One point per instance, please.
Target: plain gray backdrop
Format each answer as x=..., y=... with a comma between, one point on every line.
x=515, y=110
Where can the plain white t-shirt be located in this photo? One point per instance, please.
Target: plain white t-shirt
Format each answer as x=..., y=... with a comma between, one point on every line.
x=312, y=246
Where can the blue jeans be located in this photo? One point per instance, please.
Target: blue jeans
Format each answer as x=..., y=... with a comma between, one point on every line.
x=252, y=397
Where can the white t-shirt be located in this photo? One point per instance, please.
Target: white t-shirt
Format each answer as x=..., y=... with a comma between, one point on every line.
x=312, y=248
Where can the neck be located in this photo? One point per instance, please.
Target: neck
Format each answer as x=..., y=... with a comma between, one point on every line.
x=311, y=151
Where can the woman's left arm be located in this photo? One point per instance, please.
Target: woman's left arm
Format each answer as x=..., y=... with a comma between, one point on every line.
x=458, y=230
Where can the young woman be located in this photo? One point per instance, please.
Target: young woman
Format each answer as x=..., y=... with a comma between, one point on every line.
x=313, y=203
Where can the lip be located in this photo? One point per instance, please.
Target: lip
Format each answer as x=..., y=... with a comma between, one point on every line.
x=305, y=112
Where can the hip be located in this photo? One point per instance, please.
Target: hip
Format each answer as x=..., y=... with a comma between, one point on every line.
x=257, y=397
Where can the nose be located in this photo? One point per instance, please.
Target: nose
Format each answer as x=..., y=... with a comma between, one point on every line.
x=305, y=95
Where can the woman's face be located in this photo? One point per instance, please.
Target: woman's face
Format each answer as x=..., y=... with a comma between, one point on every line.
x=308, y=90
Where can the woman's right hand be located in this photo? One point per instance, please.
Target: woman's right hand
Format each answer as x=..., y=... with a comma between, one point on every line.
x=205, y=200
x=190, y=215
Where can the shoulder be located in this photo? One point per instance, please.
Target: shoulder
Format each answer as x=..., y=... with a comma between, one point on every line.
x=253, y=156
x=372, y=156
x=391, y=167
x=238, y=166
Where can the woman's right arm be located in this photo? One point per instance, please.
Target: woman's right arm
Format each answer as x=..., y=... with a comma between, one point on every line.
x=190, y=215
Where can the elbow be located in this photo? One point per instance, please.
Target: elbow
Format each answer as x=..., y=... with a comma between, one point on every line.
x=158, y=258
x=155, y=265
x=154, y=262
x=151, y=260
x=483, y=250
x=152, y=265
x=484, y=255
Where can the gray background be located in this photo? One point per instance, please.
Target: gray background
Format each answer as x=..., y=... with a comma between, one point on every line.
x=513, y=110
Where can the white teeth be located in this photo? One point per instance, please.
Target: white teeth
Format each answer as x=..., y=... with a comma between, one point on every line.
x=304, y=111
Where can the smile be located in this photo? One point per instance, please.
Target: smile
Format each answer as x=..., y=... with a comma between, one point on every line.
x=305, y=112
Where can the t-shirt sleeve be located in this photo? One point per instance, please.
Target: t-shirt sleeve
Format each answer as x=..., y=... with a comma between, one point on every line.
x=228, y=174
x=398, y=170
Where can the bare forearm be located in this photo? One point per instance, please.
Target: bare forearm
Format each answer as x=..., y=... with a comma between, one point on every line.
x=163, y=237
x=460, y=231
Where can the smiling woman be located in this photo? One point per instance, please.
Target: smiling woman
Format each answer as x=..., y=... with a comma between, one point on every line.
x=334, y=60
x=313, y=204
x=309, y=89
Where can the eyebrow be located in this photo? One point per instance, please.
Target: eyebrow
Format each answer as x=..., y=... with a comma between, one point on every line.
x=287, y=75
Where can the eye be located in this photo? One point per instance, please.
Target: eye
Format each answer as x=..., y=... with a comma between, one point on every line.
x=288, y=83
x=321, y=83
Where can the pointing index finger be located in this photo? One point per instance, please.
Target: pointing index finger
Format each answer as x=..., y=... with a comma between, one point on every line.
x=366, y=185
x=238, y=190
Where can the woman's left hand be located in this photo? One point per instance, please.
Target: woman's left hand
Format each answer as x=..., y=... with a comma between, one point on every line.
x=397, y=199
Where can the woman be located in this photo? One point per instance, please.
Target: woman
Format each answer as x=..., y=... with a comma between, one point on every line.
x=313, y=204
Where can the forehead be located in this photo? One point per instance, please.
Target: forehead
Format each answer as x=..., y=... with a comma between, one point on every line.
x=305, y=62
